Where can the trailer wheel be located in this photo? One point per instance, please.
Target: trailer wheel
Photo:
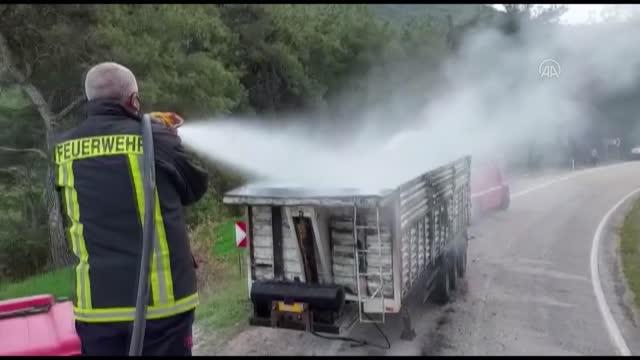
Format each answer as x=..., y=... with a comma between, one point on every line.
x=506, y=199
x=475, y=213
x=442, y=291
x=454, y=271
x=462, y=262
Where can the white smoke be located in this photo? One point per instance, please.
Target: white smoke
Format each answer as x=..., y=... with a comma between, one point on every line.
x=492, y=101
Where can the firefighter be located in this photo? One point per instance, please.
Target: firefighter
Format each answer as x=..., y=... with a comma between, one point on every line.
x=100, y=182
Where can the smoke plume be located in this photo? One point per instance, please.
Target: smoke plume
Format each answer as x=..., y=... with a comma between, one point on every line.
x=493, y=99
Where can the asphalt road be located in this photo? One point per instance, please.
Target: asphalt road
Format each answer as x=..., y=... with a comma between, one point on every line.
x=529, y=288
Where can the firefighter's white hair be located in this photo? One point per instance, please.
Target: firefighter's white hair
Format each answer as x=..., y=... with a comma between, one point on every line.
x=110, y=80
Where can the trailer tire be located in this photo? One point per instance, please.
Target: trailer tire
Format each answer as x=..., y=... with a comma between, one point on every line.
x=462, y=262
x=506, y=200
x=475, y=213
x=442, y=291
x=454, y=271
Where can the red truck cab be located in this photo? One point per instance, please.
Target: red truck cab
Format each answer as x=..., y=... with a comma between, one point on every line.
x=489, y=192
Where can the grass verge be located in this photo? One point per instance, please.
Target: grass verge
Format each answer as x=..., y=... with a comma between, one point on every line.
x=222, y=286
x=224, y=297
x=58, y=283
x=222, y=283
x=225, y=292
x=630, y=251
x=226, y=306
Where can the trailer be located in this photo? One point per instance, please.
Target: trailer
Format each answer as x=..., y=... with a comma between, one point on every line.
x=321, y=260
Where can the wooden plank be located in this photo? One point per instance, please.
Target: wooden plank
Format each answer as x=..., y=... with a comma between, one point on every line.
x=267, y=253
x=263, y=229
x=266, y=241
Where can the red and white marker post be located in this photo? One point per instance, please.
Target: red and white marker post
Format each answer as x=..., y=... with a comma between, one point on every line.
x=241, y=240
x=241, y=234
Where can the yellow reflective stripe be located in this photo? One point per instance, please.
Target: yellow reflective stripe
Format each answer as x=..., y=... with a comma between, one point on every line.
x=127, y=314
x=137, y=184
x=161, y=241
x=136, y=174
x=60, y=175
x=83, y=148
x=77, y=234
x=160, y=274
x=61, y=181
x=158, y=289
x=64, y=178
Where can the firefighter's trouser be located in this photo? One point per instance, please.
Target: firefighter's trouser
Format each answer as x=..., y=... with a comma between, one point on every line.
x=171, y=336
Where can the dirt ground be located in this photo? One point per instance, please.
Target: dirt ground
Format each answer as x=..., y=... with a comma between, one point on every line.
x=247, y=340
x=266, y=342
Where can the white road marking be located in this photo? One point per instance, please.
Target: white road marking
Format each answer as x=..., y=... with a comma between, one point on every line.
x=539, y=186
x=473, y=196
x=536, y=267
x=548, y=272
x=538, y=300
x=564, y=178
x=612, y=327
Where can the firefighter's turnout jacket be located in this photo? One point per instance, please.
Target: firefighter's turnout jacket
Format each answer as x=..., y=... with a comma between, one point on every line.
x=100, y=182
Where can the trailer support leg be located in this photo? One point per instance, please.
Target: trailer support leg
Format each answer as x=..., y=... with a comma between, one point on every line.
x=408, y=333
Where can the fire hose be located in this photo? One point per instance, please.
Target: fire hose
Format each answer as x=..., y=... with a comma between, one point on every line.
x=172, y=121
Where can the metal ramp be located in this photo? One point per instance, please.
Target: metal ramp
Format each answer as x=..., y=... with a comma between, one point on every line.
x=361, y=256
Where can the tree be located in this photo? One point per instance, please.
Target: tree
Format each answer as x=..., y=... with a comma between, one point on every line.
x=41, y=48
x=296, y=57
x=455, y=33
x=267, y=40
x=617, y=13
x=519, y=14
x=23, y=238
x=179, y=53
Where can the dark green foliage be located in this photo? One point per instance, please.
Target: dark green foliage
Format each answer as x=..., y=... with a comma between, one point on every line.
x=199, y=60
x=179, y=54
x=52, y=45
x=23, y=221
x=434, y=14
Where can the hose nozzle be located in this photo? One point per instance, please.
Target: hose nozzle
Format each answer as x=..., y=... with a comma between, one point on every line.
x=168, y=119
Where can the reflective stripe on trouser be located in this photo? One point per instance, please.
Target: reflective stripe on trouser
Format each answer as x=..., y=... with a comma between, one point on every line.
x=161, y=281
x=127, y=314
x=76, y=234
